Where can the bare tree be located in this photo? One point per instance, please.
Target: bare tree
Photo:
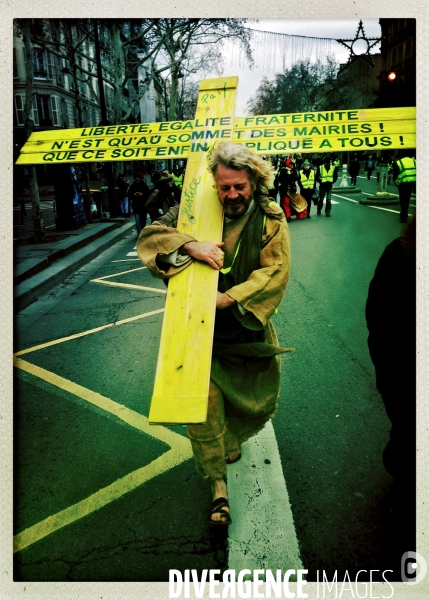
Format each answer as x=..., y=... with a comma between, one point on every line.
x=309, y=87
x=126, y=44
x=200, y=61
x=180, y=36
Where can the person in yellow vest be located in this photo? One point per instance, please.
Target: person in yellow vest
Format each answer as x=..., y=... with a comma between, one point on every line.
x=326, y=176
x=307, y=184
x=178, y=179
x=335, y=161
x=404, y=176
x=253, y=258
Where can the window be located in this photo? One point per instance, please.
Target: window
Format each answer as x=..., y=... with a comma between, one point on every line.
x=50, y=59
x=43, y=63
x=35, y=112
x=56, y=111
x=44, y=113
x=108, y=94
x=19, y=110
x=59, y=69
x=15, y=64
x=67, y=66
x=70, y=113
x=82, y=89
x=40, y=65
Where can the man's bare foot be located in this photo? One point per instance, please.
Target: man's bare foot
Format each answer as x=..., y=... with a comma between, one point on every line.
x=232, y=457
x=219, y=490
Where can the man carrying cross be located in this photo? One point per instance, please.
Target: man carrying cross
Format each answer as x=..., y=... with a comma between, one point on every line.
x=254, y=262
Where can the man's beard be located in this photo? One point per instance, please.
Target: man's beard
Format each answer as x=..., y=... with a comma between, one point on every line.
x=234, y=214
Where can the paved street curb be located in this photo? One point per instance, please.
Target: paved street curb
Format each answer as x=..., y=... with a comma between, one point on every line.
x=30, y=266
x=29, y=290
x=350, y=189
x=380, y=201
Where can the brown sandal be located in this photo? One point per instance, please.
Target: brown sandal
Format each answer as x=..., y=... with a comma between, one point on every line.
x=218, y=506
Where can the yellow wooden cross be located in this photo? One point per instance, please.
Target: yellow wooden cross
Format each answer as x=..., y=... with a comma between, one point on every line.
x=183, y=371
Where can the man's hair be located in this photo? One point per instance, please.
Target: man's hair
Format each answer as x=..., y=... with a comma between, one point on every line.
x=235, y=156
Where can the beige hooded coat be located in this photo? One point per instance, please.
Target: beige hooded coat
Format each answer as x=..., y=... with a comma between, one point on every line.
x=244, y=390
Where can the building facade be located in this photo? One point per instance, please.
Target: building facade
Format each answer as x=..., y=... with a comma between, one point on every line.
x=60, y=101
x=398, y=63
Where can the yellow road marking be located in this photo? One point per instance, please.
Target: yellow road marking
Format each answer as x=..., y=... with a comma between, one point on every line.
x=101, y=498
x=180, y=448
x=179, y=452
x=83, y=333
x=129, y=285
x=136, y=420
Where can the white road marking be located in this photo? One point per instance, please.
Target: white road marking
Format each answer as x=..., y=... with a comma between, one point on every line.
x=132, y=253
x=121, y=273
x=262, y=534
x=382, y=208
x=129, y=286
x=345, y=198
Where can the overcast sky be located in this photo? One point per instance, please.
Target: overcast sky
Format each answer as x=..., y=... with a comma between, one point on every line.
x=249, y=80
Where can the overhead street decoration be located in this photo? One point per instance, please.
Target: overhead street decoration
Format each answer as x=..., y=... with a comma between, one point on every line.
x=308, y=132
x=359, y=47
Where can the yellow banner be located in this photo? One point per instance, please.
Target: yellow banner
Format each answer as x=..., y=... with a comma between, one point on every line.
x=327, y=117
x=273, y=134
x=370, y=129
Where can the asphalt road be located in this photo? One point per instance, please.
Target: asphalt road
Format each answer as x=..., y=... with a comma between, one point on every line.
x=100, y=496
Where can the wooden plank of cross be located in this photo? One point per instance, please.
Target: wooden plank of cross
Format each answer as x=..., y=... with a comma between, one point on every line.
x=182, y=378
x=180, y=393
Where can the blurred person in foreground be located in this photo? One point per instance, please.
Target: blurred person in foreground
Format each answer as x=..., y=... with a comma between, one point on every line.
x=391, y=321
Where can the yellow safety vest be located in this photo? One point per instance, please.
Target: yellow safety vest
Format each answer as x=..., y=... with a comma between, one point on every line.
x=307, y=182
x=327, y=176
x=407, y=170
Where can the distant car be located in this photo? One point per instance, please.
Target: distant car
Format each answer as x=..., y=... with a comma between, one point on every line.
x=94, y=209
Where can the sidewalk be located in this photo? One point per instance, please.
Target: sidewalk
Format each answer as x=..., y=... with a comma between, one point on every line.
x=40, y=266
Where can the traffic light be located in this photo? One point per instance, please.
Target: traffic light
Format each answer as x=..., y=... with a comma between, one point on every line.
x=391, y=76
